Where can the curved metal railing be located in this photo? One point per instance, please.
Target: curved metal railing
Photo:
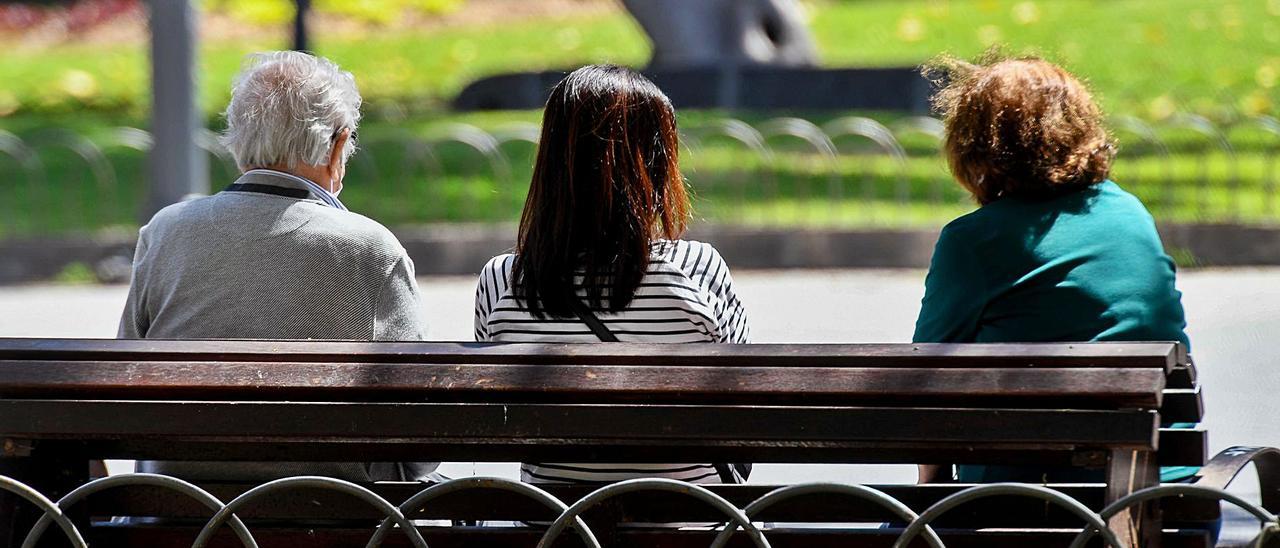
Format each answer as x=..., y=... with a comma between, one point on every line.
x=777, y=172
x=739, y=519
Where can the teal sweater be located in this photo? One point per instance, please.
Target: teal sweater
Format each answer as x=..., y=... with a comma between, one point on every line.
x=1085, y=266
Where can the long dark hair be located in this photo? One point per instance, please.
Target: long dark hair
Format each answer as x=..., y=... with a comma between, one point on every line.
x=606, y=185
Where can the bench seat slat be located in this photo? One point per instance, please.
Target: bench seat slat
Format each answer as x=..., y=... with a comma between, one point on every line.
x=1182, y=377
x=1182, y=405
x=1183, y=447
x=638, y=451
x=1036, y=387
x=114, y=536
x=1162, y=355
x=641, y=507
x=452, y=431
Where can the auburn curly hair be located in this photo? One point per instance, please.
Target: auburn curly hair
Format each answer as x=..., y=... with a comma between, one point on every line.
x=1019, y=127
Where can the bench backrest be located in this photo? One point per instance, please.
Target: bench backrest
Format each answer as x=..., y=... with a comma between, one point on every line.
x=1058, y=403
x=1098, y=405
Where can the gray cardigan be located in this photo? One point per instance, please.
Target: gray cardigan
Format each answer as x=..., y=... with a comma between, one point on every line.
x=249, y=265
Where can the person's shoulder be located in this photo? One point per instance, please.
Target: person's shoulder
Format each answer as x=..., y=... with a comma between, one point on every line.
x=497, y=272
x=348, y=221
x=977, y=232
x=691, y=256
x=668, y=250
x=499, y=264
x=711, y=253
x=180, y=211
x=180, y=216
x=976, y=221
x=352, y=229
x=1123, y=218
x=1114, y=194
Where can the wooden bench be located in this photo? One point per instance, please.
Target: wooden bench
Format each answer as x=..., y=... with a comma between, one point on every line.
x=1097, y=405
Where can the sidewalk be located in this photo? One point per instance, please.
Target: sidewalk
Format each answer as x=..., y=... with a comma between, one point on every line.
x=1234, y=321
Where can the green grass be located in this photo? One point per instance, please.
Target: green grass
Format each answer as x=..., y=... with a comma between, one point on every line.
x=1145, y=59
x=397, y=182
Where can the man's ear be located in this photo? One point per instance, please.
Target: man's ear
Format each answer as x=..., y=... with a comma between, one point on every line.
x=335, y=156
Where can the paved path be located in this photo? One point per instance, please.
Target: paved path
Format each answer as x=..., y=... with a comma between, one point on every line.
x=1234, y=314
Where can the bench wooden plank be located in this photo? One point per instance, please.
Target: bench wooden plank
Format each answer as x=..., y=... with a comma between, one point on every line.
x=1155, y=354
x=1182, y=405
x=338, y=431
x=1047, y=387
x=639, y=507
x=1182, y=377
x=1088, y=456
x=1183, y=447
x=109, y=536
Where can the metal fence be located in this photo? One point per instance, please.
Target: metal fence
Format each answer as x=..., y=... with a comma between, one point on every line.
x=396, y=519
x=849, y=172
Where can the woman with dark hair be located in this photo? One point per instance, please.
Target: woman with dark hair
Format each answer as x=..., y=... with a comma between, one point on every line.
x=1056, y=252
x=598, y=255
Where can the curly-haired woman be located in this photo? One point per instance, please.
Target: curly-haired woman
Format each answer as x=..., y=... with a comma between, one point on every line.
x=1057, y=251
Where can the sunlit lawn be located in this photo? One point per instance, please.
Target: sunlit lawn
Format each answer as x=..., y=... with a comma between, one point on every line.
x=1144, y=57
x=404, y=177
x=1147, y=59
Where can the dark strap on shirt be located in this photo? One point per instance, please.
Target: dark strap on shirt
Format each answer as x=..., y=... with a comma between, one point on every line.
x=730, y=473
x=588, y=317
x=733, y=473
x=269, y=189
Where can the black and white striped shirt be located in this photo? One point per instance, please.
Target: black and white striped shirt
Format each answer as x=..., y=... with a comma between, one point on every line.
x=686, y=296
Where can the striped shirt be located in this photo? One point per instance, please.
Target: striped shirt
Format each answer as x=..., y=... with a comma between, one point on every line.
x=686, y=296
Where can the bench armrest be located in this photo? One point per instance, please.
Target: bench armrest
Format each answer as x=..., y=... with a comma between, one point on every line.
x=1225, y=466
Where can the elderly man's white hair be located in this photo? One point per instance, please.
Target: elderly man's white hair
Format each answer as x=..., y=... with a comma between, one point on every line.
x=287, y=107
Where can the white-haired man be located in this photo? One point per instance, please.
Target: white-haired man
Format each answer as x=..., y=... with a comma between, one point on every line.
x=276, y=255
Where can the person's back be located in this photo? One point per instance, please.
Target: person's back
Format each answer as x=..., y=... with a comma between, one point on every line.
x=1085, y=266
x=685, y=296
x=276, y=255
x=1057, y=252
x=248, y=265
x=598, y=256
